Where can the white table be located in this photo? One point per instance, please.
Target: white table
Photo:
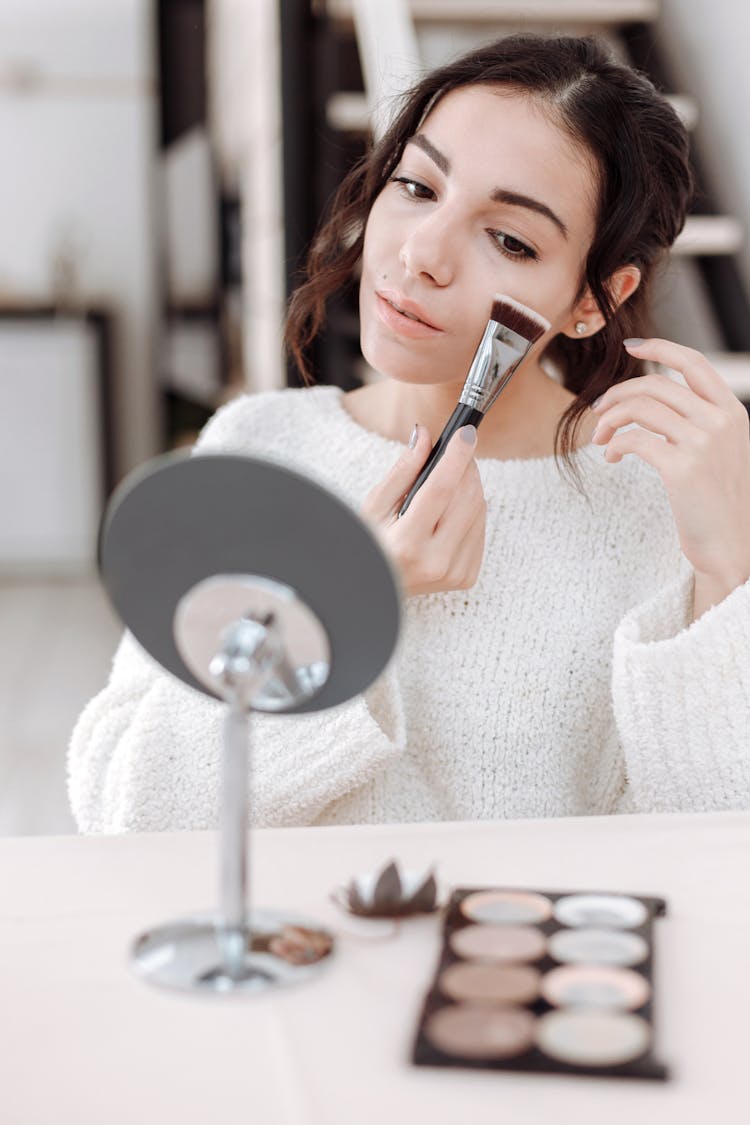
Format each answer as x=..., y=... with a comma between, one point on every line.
x=82, y=1040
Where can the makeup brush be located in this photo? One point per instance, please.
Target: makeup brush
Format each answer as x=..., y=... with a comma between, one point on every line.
x=510, y=333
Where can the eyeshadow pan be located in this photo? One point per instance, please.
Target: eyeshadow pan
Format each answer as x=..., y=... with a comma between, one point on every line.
x=490, y=984
x=498, y=943
x=595, y=986
x=506, y=906
x=599, y=947
x=592, y=1038
x=481, y=1032
x=617, y=911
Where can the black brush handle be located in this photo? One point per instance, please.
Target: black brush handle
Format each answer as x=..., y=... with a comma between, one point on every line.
x=462, y=416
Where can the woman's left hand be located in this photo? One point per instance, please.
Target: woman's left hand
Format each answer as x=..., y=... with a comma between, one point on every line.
x=704, y=462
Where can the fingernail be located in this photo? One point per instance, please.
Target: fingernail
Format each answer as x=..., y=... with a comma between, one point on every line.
x=414, y=436
x=634, y=342
x=596, y=402
x=469, y=434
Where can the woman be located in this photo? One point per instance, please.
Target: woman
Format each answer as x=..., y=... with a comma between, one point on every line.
x=573, y=642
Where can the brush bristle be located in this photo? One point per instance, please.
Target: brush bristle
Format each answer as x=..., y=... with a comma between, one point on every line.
x=519, y=318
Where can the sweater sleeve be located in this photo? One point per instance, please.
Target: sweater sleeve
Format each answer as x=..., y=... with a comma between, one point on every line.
x=681, y=697
x=145, y=753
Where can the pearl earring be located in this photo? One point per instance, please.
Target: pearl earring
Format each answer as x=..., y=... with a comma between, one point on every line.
x=581, y=327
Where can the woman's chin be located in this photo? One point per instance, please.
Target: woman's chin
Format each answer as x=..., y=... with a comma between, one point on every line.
x=402, y=368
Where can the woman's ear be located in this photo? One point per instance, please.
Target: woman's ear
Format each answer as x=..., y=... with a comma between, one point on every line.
x=586, y=319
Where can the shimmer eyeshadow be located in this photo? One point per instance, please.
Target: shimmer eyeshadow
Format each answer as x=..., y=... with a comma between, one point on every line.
x=476, y=1032
x=595, y=986
x=598, y=947
x=498, y=943
x=592, y=1038
x=603, y=911
x=506, y=906
x=480, y=983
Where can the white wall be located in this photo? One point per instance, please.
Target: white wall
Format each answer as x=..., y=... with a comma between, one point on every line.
x=77, y=145
x=706, y=47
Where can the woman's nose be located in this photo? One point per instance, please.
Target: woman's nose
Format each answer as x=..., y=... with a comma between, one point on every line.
x=429, y=251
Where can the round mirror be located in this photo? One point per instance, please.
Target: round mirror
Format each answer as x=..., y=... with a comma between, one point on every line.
x=189, y=541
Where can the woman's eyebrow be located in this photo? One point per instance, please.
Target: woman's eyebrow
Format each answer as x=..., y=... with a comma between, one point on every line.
x=435, y=155
x=499, y=195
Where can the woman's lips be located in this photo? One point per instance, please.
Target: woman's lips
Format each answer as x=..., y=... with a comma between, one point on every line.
x=399, y=321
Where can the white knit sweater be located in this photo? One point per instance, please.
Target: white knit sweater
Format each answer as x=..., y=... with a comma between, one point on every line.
x=565, y=682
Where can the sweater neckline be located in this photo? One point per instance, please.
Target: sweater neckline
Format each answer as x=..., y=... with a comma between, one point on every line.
x=348, y=422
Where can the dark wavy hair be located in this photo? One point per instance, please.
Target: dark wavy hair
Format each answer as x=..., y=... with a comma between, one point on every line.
x=645, y=187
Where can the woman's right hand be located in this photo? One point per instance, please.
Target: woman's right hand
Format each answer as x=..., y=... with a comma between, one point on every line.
x=438, y=544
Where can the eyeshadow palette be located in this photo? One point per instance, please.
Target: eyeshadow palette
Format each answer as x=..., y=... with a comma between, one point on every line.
x=544, y=981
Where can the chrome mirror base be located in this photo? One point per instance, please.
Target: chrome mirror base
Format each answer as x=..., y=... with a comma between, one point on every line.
x=200, y=954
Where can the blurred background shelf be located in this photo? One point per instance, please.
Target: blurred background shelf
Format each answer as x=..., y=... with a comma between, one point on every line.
x=734, y=368
x=348, y=112
x=708, y=235
x=594, y=13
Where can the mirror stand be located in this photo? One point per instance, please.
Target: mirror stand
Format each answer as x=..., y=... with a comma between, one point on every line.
x=239, y=950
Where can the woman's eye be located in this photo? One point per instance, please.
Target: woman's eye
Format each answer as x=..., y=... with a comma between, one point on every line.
x=512, y=247
x=412, y=188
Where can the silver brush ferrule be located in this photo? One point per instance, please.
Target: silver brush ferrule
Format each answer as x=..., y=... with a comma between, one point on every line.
x=499, y=353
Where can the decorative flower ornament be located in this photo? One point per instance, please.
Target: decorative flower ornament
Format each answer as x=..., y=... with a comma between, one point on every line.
x=389, y=893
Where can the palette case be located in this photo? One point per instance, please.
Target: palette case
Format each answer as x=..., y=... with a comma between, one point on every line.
x=425, y=1053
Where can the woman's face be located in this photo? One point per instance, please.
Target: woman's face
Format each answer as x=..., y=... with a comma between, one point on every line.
x=489, y=197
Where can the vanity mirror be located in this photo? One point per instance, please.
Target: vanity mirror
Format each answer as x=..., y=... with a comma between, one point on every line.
x=253, y=584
